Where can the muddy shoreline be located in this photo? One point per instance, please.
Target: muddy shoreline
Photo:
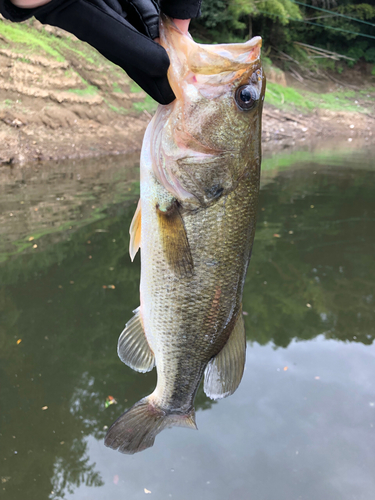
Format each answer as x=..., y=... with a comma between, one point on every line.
x=86, y=137
x=66, y=101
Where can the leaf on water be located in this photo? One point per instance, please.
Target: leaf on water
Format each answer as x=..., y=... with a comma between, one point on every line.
x=110, y=401
x=19, y=341
x=146, y=490
x=276, y=235
x=45, y=408
x=104, y=286
x=285, y=368
x=111, y=286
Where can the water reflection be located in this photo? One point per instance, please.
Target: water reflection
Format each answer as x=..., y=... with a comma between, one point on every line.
x=312, y=276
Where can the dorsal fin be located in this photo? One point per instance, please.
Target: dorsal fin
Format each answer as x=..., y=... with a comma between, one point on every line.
x=135, y=232
x=224, y=372
x=133, y=348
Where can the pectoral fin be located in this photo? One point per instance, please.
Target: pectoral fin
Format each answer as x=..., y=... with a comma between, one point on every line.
x=224, y=372
x=133, y=348
x=135, y=232
x=175, y=242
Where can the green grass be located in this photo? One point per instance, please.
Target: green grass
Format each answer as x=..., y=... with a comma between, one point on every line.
x=289, y=98
x=67, y=44
x=89, y=90
x=34, y=41
x=116, y=87
x=135, y=88
x=286, y=97
x=120, y=110
x=148, y=104
x=24, y=59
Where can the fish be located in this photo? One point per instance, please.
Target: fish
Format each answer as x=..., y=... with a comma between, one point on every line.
x=195, y=224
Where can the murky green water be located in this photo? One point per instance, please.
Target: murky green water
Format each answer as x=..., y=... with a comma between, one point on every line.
x=302, y=423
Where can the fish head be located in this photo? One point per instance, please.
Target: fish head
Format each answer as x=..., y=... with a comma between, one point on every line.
x=209, y=137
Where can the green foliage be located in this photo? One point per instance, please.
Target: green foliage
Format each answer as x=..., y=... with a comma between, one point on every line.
x=369, y=55
x=278, y=10
x=281, y=22
x=363, y=11
x=224, y=20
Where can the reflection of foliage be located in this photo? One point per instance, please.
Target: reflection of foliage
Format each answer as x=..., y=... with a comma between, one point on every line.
x=75, y=472
x=327, y=262
x=67, y=359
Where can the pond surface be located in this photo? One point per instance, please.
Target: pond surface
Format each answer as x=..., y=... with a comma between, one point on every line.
x=302, y=423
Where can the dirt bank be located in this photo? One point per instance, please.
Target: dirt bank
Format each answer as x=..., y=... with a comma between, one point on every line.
x=60, y=99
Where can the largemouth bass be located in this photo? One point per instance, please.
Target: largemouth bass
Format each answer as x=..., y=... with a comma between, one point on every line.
x=195, y=224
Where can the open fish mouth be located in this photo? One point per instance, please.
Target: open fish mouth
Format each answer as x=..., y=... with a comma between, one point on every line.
x=199, y=64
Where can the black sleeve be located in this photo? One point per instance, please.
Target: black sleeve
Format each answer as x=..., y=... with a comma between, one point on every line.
x=181, y=9
x=103, y=25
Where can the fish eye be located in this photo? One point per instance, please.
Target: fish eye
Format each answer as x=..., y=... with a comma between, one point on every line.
x=246, y=97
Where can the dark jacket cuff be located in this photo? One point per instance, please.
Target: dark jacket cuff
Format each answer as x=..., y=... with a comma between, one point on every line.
x=181, y=9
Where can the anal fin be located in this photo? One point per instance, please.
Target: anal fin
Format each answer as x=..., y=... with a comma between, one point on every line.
x=135, y=232
x=224, y=372
x=133, y=348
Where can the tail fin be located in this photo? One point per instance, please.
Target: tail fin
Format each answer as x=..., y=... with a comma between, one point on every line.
x=137, y=428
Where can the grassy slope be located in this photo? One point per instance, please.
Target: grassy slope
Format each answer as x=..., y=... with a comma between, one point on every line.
x=289, y=98
x=26, y=40
x=27, y=43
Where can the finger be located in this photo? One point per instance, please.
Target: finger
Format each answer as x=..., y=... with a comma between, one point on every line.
x=182, y=25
